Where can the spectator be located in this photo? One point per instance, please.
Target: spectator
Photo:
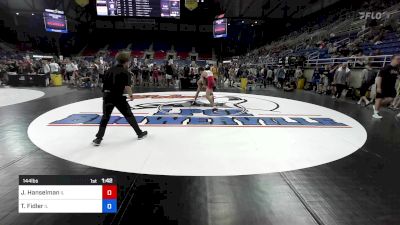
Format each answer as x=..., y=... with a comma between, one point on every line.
x=102, y=69
x=214, y=70
x=298, y=73
x=46, y=67
x=54, y=67
x=95, y=75
x=221, y=76
x=368, y=78
x=156, y=75
x=280, y=74
x=341, y=79
x=316, y=77
x=135, y=71
x=231, y=76
x=323, y=85
x=270, y=75
x=75, y=74
x=69, y=70
x=3, y=74
x=146, y=75
x=169, y=72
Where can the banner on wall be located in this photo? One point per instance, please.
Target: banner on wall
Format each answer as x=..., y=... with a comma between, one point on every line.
x=191, y=4
x=82, y=3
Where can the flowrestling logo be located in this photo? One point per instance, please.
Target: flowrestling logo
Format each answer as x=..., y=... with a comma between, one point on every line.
x=374, y=15
x=178, y=110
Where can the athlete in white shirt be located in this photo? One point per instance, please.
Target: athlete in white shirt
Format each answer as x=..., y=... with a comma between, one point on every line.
x=54, y=67
x=69, y=69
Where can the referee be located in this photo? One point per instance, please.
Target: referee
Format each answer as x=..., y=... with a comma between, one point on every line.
x=116, y=81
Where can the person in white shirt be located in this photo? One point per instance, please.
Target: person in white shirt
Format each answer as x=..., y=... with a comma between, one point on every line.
x=54, y=67
x=270, y=74
x=75, y=66
x=75, y=74
x=46, y=67
x=102, y=69
x=232, y=74
x=69, y=70
x=298, y=73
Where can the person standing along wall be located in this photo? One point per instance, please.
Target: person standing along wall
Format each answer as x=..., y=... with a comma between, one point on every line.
x=341, y=79
x=54, y=67
x=385, y=85
x=368, y=77
x=169, y=71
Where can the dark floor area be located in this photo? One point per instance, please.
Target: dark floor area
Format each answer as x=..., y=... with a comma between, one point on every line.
x=363, y=188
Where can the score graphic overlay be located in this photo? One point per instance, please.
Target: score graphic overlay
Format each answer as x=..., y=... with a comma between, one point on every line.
x=139, y=8
x=67, y=194
x=55, y=21
x=220, y=28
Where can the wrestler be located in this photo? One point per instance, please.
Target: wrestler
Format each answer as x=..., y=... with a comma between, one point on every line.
x=209, y=76
x=201, y=84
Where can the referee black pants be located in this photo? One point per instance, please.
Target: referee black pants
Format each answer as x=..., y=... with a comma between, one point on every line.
x=109, y=102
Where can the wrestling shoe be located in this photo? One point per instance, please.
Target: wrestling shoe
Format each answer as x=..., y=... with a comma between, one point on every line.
x=377, y=116
x=376, y=113
x=97, y=142
x=142, y=135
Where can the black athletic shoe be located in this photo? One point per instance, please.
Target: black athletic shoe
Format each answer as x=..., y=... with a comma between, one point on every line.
x=142, y=135
x=214, y=110
x=97, y=142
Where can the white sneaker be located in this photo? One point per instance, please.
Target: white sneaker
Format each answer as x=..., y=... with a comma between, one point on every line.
x=398, y=116
x=358, y=103
x=377, y=116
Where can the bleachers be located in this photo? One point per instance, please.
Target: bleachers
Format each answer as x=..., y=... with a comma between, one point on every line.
x=183, y=50
x=390, y=45
x=160, y=54
x=161, y=46
x=160, y=49
x=137, y=53
x=118, y=45
x=205, y=51
x=140, y=46
x=92, y=49
x=336, y=34
x=182, y=55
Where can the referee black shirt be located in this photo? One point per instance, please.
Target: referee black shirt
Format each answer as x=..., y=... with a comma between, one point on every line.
x=389, y=76
x=115, y=80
